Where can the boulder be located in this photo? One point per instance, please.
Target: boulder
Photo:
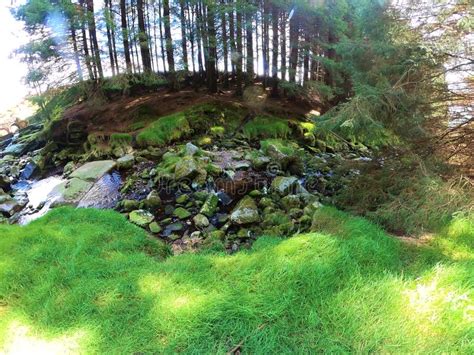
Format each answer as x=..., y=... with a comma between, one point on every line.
x=210, y=205
x=154, y=227
x=290, y=201
x=69, y=192
x=94, y=170
x=284, y=185
x=245, y=212
x=200, y=221
x=4, y=183
x=29, y=171
x=141, y=218
x=125, y=162
x=191, y=149
x=186, y=168
x=152, y=201
x=129, y=205
x=9, y=205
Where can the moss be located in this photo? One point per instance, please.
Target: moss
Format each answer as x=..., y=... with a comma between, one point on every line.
x=165, y=130
x=205, y=140
x=218, y=131
x=120, y=139
x=285, y=147
x=168, y=164
x=204, y=116
x=266, y=127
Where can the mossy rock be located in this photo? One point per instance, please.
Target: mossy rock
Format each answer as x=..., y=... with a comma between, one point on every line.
x=154, y=228
x=245, y=212
x=284, y=185
x=181, y=213
x=210, y=205
x=141, y=218
x=186, y=168
x=165, y=130
x=70, y=192
x=94, y=170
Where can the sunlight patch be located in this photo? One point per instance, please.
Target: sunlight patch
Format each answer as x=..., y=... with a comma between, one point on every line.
x=20, y=340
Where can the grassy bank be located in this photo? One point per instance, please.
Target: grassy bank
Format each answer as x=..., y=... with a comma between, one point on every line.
x=86, y=280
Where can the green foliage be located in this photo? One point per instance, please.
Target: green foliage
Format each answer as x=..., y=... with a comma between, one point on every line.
x=286, y=147
x=266, y=127
x=89, y=281
x=406, y=196
x=120, y=139
x=165, y=130
x=203, y=117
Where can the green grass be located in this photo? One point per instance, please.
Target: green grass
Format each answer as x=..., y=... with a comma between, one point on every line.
x=88, y=280
x=165, y=130
x=266, y=127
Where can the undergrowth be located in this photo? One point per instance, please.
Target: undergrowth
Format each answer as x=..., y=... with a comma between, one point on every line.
x=87, y=280
x=266, y=127
x=165, y=130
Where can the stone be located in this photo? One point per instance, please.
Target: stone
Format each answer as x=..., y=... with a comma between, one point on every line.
x=284, y=185
x=245, y=212
x=191, y=149
x=266, y=202
x=290, y=201
x=186, y=168
x=9, y=205
x=154, y=227
x=129, y=205
x=15, y=149
x=125, y=162
x=255, y=193
x=152, y=201
x=182, y=199
x=181, y=213
x=69, y=192
x=201, y=195
x=217, y=234
x=174, y=227
x=200, y=221
x=29, y=171
x=311, y=208
x=141, y=218
x=69, y=168
x=295, y=213
x=4, y=183
x=210, y=206
x=94, y=170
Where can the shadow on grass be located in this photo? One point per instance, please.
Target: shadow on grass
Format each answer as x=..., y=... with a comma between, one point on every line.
x=347, y=287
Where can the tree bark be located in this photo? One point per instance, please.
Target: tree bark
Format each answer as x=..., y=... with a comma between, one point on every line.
x=283, y=46
x=249, y=37
x=169, y=42
x=225, y=44
x=109, y=37
x=294, y=34
x=238, y=58
x=275, y=17
x=143, y=38
x=212, y=48
x=183, y=34
x=93, y=34
x=126, y=43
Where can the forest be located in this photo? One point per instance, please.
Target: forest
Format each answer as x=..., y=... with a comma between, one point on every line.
x=239, y=176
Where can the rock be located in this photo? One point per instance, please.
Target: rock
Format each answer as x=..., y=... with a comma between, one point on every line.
x=69, y=192
x=310, y=209
x=201, y=221
x=284, y=185
x=129, y=205
x=245, y=212
x=186, y=168
x=181, y=213
x=15, y=149
x=244, y=233
x=266, y=202
x=141, y=218
x=94, y=170
x=30, y=169
x=152, y=201
x=210, y=206
x=154, y=227
x=125, y=162
x=224, y=198
x=191, y=149
x=255, y=193
x=4, y=183
x=9, y=205
x=182, y=199
x=217, y=234
x=242, y=165
x=295, y=213
x=69, y=168
x=290, y=201
x=201, y=195
x=214, y=169
x=174, y=227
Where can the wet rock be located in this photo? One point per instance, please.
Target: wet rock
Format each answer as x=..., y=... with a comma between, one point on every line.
x=9, y=205
x=210, y=206
x=181, y=213
x=284, y=185
x=15, y=149
x=141, y=218
x=70, y=192
x=154, y=228
x=186, y=168
x=174, y=227
x=224, y=199
x=125, y=162
x=4, y=183
x=290, y=201
x=200, y=221
x=245, y=212
x=29, y=171
x=94, y=170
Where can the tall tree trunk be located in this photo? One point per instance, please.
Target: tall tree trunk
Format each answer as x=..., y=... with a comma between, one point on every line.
x=199, y=38
x=135, y=37
x=266, y=41
x=143, y=38
x=126, y=43
x=232, y=36
x=85, y=47
x=77, y=61
x=109, y=36
x=283, y=46
x=191, y=35
x=183, y=34
x=148, y=31
x=275, y=17
x=239, y=56
x=212, y=48
x=155, y=39
x=294, y=34
x=114, y=46
x=162, y=38
x=306, y=55
x=93, y=34
x=330, y=54
x=225, y=45
x=249, y=37
x=169, y=42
